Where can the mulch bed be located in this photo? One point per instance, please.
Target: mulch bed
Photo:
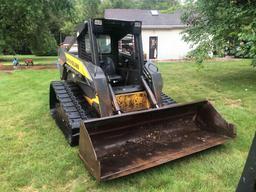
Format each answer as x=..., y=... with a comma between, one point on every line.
x=23, y=67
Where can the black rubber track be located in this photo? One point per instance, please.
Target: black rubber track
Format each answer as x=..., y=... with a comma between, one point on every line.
x=69, y=109
x=166, y=100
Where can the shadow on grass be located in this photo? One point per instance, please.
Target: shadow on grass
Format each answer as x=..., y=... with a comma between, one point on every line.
x=242, y=77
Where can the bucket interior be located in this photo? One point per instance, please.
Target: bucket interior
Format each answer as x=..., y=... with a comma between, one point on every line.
x=135, y=142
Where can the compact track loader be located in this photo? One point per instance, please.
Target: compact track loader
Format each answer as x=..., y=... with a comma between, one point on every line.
x=112, y=99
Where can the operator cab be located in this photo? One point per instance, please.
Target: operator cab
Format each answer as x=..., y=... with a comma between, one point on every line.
x=116, y=47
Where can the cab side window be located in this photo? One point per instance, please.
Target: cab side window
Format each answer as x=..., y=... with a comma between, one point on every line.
x=87, y=44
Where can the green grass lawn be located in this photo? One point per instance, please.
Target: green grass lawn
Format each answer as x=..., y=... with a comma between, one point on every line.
x=35, y=156
x=7, y=59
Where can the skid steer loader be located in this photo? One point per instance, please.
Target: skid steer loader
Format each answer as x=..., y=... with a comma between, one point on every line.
x=113, y=100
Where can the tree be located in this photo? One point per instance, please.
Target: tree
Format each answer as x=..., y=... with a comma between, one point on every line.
x=24, y=21
x=38, y=25
x=226, y=27
x=157, y=4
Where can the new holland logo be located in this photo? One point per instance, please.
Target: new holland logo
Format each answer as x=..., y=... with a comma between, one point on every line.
x=73, y=63
x=77, y=65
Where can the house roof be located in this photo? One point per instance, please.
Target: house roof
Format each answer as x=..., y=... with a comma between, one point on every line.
x=149, y=18
x=68, y=40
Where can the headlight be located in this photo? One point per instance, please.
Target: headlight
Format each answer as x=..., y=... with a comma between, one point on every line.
x=137, y=24
x=98, y=22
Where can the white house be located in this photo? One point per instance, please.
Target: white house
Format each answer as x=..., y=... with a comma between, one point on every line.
x=161, y=33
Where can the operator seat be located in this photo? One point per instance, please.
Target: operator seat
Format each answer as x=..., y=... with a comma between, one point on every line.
x=109, y=68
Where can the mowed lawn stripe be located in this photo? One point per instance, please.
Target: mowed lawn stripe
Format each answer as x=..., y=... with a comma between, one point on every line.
x=35, y=156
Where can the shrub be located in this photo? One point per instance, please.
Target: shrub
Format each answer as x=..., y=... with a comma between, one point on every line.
x=44, y=45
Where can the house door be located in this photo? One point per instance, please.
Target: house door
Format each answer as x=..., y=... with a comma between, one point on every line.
x=153, y=46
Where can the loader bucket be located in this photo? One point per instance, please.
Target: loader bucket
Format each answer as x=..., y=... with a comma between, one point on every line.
x=120, y=145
